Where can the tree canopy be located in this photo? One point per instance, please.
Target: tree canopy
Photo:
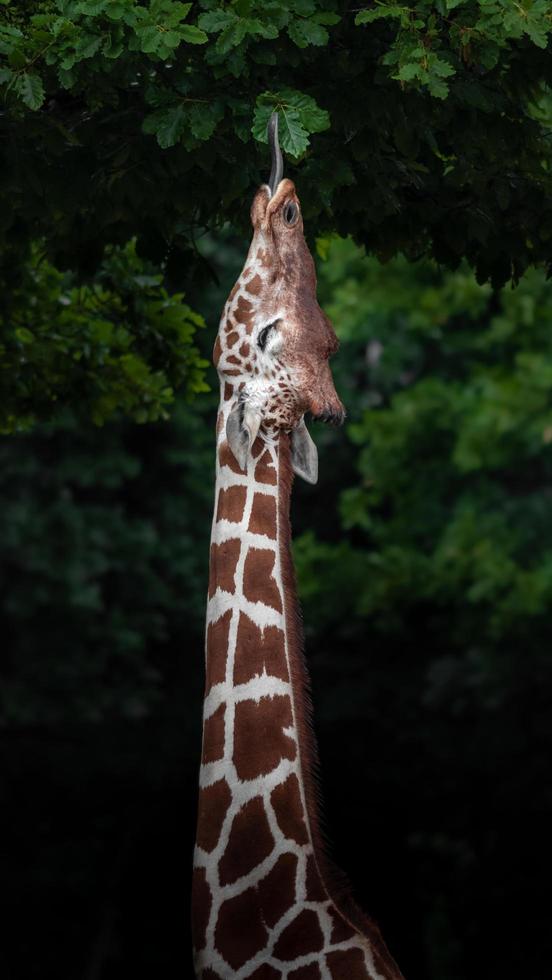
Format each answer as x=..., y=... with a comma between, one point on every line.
x=421, y=127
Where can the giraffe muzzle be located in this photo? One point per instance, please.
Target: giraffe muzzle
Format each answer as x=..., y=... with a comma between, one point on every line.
x=332, y=415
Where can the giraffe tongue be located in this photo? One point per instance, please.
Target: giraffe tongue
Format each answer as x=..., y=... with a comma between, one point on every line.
x=304, y=454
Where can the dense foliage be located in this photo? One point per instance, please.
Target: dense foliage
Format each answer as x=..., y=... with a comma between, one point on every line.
x=452, y=382
x=444, y=147
x=129, y=121
x=118, y=344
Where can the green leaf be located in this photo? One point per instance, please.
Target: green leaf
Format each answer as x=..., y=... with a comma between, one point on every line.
x=192, y=35
x=17, y=59
x=409, y=71
x=167, y=124
x=327, y=18
x=150, y=39
x=437, y=88
x=92, y=7
x=113, y=46
x=203, y=119
x=538, y=26
x=173, y=13
x=305, y=32
x=313, y=118
x=231, y=36
x=61, y=26
x=299, y=116
x=8, y=30
x=215, y=20
x=117, y=10
x=442, y=68
x=268, y=31
x=30, y=90
x=293, y=136
x=302, y=7
x=378, y=13
x=87, y=47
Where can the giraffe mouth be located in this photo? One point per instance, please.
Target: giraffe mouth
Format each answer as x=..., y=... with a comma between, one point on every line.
x=331, y=416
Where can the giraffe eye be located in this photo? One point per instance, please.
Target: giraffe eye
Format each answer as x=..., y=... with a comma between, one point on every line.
x=291, y=213
x=264, y=334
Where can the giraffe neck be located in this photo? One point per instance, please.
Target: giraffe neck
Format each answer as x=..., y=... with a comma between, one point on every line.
x=261, y=908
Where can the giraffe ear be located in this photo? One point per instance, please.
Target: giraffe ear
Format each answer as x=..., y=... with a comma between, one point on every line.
x=241, y=431
x=304, y=454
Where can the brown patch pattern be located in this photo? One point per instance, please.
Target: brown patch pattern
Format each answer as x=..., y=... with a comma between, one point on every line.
x=347, y=963
x=249, y=843
x=341, y=930
x=217, y=351
x=263, y=515
x=240, y=931
x=259, y=740
x=286, y=800
x=258, y=447
x=213, y=804
x=222, y=569
x=244, y=307
x=259, y=585
x=303, y=935
x=254, y=287
x=244, y=311
x=277, y=889
x=265, y=471
x=309, y=972
x=227, y=458
x=217, y=650
x=265, y=972
x=259, y=650
x=213, y=735
x=231, y=503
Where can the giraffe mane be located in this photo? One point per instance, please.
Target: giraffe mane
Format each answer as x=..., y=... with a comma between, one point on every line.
x=336, y=882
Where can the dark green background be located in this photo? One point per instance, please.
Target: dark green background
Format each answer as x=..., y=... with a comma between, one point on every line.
x=424, y=559
x=131, y=142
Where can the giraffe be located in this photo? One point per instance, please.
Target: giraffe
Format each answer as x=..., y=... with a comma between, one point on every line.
x=266, y=904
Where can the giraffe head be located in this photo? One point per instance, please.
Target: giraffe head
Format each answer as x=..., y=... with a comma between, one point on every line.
x=274, y=341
